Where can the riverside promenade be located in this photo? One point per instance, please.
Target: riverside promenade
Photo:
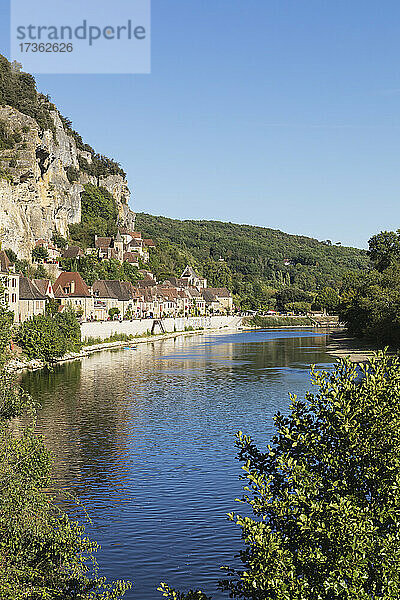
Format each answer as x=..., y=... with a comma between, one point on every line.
x=105, y=329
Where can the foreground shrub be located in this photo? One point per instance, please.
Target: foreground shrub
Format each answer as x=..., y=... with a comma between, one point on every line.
x=325, y=495
x=47, y=337
x=43, y=554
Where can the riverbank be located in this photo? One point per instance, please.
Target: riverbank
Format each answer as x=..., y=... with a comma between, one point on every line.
x=18, y=365
x=276, y=322
x=341, y=345
x=281, y=321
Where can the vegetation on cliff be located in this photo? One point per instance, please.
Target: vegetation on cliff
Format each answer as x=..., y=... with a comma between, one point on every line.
x=324, y=495
x=370, y=304
x=275, y=321
x=265, y=268
x=99, y=216
x=18, y=89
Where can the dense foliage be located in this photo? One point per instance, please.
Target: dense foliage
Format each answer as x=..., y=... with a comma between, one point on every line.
x=40, y=253
x=325, y=494
x=250, y=260
x=18, y=89
x=99, y=216
x=43, y=554
x=48, y=336
x=92, y=268
x=370, y=304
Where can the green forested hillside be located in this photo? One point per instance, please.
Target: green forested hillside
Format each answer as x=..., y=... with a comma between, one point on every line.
x=251, y=260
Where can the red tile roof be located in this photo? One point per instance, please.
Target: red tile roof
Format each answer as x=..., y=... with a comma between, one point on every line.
x=103, y=242
x=73, y=252
x=5, y=262
x=64, y=281
x=131, y=257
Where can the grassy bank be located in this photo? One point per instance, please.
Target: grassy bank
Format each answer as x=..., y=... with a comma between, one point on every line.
x=124, y=337
x=272, y=321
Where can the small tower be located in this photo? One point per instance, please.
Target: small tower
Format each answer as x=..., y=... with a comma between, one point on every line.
x=119, y=246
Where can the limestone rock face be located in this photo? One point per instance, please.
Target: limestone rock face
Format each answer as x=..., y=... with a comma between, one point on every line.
x=118, y=187
x=36, y=196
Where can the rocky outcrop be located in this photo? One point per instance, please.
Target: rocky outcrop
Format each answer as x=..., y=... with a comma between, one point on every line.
x=38, y=195
x=118, y=187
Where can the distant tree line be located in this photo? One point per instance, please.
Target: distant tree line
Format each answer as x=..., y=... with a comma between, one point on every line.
x=370, y=304
x=264, y=268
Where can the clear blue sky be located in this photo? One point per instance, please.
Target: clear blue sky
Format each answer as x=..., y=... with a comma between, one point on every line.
x=281, y=113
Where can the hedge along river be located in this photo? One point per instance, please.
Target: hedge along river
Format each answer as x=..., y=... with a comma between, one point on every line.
x=145, y=439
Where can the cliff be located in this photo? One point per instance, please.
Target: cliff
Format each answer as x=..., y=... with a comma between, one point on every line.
x=42, y=174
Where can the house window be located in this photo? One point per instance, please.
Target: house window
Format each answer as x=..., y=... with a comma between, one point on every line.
x=13, y=297
x=14, y=282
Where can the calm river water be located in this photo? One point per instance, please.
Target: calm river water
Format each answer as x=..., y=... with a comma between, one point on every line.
x=145, y=439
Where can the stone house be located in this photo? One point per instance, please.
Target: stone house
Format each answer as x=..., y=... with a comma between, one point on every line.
x=45, y=287
x=71, y=290
x=31, y=300
x=132, y=258
x=152, y=303
x=108, y=294
x=191, y=278
x=10, y=282
x=197, y=304
x=218, y=300
x=170, y=300
x=74, y=252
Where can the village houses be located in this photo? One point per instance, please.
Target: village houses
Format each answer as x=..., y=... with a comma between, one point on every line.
x=187, y=295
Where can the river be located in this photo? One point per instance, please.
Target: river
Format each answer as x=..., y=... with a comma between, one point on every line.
x=145, y=439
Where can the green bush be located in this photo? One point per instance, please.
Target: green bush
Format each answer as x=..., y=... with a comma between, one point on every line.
x=99, y=216
x=40, y=253
x=113, y=312
x=72, y=174
x=272, y=321
x=47, y=337
x=18, y=89
x=6, y=321
x=370, y=303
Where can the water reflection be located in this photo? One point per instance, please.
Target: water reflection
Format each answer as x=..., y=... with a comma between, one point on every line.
x=146, y=439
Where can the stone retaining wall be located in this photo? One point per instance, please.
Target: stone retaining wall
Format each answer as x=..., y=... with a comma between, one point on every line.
x=104, y=330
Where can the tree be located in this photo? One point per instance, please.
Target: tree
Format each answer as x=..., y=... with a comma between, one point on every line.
x=6, y=321
x=40, y=253
x=327, y=299
x=218, y=274
x=40, y=272
x=384, y=249
x=59, y=241
x=113, y=312
x=11, y=255
x=371, y=306
x=325, y=493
